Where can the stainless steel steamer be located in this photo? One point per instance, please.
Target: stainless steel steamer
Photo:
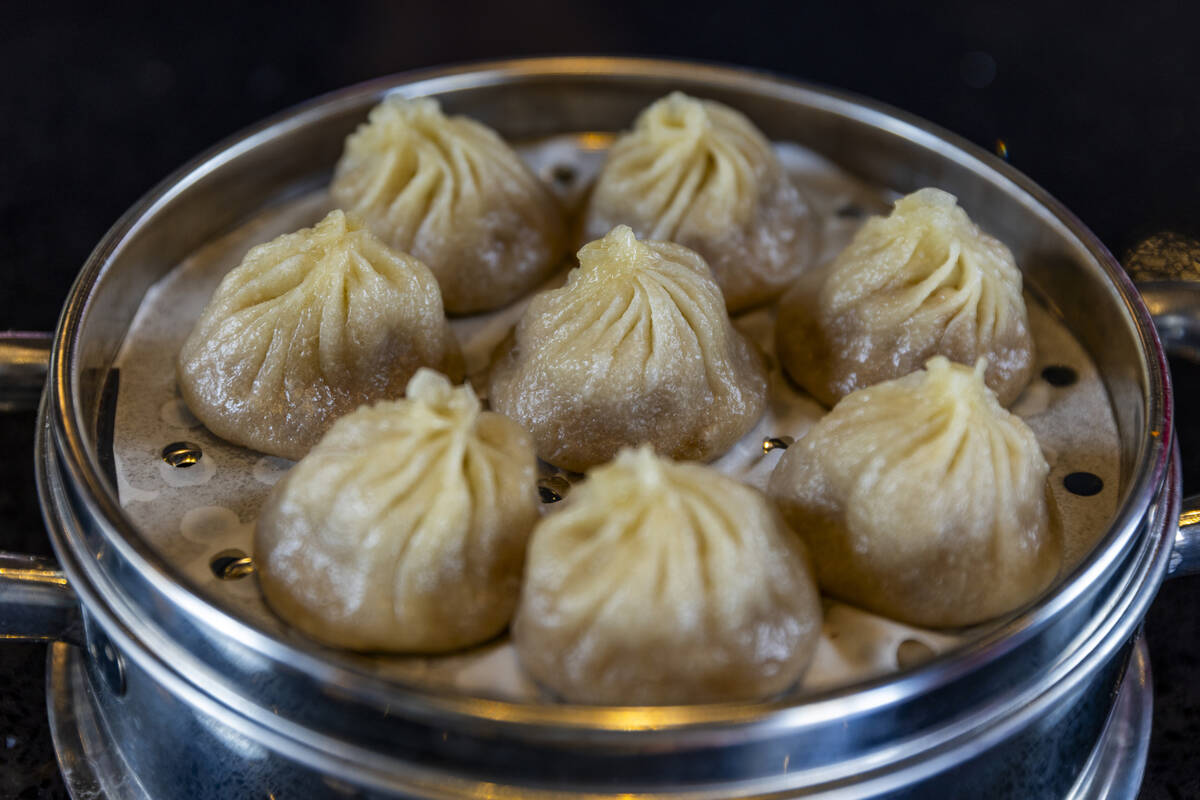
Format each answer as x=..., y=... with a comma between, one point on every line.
x=176, y=698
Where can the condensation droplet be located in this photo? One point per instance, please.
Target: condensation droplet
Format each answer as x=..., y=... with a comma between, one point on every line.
x=912, y=652
x=214, y=526
x=269, y=469
x=175, y=413
x=182, y=454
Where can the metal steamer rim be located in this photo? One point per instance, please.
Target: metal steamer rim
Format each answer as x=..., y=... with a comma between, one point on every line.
x=83, y=492
x=79, y=460
x=93, y=768
x=192, y=511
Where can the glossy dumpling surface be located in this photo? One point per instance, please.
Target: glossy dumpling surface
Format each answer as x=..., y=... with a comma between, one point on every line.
x=699, y=173
x=450, y=191
x=921, y=282
x=924, y=500
x=663, y=583
x=637, y=347
x=404, y=530
x=309, y=326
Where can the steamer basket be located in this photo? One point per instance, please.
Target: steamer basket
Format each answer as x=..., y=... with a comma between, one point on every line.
x=158, y=693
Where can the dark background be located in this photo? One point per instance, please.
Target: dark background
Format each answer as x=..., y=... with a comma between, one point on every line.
x=98, y=102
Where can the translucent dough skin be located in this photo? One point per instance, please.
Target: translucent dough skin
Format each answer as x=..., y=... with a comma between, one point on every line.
x=452, y=193
x=922, y=499
x=404, y=530
x=665, y=583
x=637, y=347
x=921, y=282
x=308, y=327
x=698, y=173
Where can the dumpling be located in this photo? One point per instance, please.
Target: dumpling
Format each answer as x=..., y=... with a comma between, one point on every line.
x=665, y=583
x=309, y=326
x=921, y=282
x=922, y=499
x=452, y=193
x=637, y=347
x=404, y=530
x=698, y=173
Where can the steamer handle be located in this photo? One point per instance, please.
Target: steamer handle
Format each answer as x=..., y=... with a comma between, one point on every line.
x=1175, y=307
x=24, y=359
x=36, y=604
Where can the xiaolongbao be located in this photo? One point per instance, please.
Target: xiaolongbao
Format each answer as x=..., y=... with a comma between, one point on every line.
x=452, y=193
x=921, y=282
x=922, y=499
x=700, y=174
x=663, y=583
x=404, y=529
x=306, y=328
x=637, y=347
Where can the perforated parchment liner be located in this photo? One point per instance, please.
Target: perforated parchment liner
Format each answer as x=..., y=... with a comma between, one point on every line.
x=191, y=514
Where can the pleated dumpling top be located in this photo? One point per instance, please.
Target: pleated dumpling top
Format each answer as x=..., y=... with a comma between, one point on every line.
x=637, y=347
x=309, y=326
x=404, y=529
x=450, y=191
x=662, y=582
x=699, y=173
x=920, y=282
x=922, y=499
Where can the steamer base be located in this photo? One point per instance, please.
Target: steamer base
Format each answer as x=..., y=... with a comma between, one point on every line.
x=93, y=768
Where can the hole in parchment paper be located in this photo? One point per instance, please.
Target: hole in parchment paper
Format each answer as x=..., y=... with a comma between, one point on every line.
x=182, y=454
x=563, y=174
x=777, y=443
x=1059, y=375
x=1084, y=484
x=553, y=489
x=231, y=565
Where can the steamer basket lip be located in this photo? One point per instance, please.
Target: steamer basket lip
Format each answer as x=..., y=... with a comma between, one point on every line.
x=81, y=467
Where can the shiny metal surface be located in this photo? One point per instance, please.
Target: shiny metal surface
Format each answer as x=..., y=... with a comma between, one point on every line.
x=1175, y=307
x=24, y=359
x=88, y=758
x=94, y=769
x=36, y=604
x=988, y=714
x=1116, y=766
x=1185, y=558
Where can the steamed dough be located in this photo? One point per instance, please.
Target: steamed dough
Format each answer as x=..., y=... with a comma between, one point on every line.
x=309, y=326
x=923, y=500
x=921, y=282
x=662, y=582
x=699, y=173
x=450, y=191
x=404, y=529
x=637, y=347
